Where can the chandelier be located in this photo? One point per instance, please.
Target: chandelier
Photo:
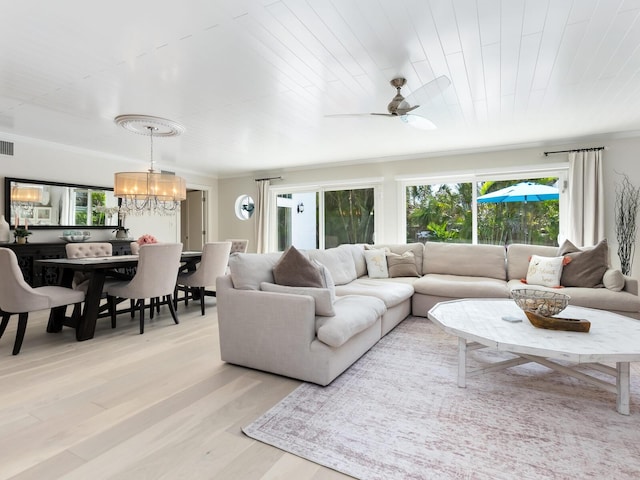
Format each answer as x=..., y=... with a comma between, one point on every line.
x=152, y=191
x=24, y=198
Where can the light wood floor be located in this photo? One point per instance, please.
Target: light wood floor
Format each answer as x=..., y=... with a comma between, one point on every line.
x=126, y=406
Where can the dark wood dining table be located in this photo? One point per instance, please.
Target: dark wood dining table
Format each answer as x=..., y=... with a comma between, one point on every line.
x=98, y=268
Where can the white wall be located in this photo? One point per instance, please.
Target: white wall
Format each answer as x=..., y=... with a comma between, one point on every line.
x=620, y=156
x=58, y=163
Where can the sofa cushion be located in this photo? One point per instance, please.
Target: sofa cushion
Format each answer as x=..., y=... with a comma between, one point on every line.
x=322, y=296
x=518, y=255
x=613, y=280
x=461, y=286
x=391, y=293
x=357, y=252
x=353, y=315
x=295, y=270
x=402, y=265
x=465, y=259
x=339, y=261
x=376, y=263
x=327, y=279
x=545, y=271
x=598, y=298
x=587, y=266
x=249, y=270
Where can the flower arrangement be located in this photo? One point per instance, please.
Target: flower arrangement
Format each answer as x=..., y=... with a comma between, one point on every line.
x=146, y=239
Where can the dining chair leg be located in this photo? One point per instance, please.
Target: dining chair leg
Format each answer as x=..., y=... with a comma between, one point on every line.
x=152, y=302
x=111, y=301
x=175, y=297
x=141, y=305
x=22, y=327
x=172, y=310
x=5, y=322
x=201, y=289
x=132, y=303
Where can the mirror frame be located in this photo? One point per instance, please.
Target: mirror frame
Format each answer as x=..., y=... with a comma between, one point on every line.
x=7, y=202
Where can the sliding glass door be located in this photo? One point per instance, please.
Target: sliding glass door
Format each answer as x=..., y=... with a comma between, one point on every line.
x=325, y=217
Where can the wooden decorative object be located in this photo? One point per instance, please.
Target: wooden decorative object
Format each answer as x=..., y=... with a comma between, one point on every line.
x=553, y=323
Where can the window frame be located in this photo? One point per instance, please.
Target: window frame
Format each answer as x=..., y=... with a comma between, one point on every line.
x=319, y=189
x=560, y=170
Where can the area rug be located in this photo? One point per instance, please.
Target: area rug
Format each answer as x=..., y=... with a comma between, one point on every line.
x=397, y=413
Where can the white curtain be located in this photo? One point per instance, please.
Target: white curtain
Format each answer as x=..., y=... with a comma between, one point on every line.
x=261, y=214
x=586, y=198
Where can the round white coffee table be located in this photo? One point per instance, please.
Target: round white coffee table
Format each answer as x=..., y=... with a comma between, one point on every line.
x=478, y=324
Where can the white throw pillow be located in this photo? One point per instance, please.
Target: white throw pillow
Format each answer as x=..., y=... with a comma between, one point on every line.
x=322, y=296
x=376, y=263
x=613, y=280
x=327, y=279
x=545, y=271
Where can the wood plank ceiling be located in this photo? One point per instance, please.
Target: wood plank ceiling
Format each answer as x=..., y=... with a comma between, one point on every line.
x=252, y=81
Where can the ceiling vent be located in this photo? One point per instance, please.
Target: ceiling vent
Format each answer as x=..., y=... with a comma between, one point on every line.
x=6, y=148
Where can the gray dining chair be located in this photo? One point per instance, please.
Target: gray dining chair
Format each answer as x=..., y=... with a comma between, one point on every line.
x=155, y=277
x=202, y=280
x=17, y=297
x=238, y=245
x=88, y=250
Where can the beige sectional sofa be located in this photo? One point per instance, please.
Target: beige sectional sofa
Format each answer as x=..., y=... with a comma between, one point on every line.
x=287, y=331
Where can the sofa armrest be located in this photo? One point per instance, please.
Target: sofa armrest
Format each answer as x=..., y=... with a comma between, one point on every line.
x=630, y=285
x=260, y=329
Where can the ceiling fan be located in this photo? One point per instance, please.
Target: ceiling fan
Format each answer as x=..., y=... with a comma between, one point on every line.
x=400, y=107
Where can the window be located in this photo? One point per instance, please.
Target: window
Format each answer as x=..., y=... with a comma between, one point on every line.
x=442, y=211
x=85, y=211
x=325, y=217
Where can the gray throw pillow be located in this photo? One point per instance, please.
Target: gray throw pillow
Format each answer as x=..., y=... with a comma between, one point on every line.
x=295, y=270
x=587, y=266
x=402, y=265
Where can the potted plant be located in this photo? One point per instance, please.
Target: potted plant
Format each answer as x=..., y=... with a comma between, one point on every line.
x=21, y=234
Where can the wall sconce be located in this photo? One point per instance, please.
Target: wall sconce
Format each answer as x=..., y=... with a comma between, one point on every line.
x=300, y=207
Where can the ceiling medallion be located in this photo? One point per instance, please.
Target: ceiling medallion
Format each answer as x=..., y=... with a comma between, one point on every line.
x=143, y=124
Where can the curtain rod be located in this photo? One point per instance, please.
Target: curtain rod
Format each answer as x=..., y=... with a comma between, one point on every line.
x=267, y=178
x=576, y=150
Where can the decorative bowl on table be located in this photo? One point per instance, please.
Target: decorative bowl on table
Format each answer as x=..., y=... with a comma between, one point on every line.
x=540, y=305
x=74, y=236
x=540, y=302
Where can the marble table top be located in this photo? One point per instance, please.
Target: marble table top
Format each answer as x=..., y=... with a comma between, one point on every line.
x=612, y=338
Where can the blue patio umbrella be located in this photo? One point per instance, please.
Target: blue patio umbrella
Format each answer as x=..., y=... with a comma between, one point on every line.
x=521, y=192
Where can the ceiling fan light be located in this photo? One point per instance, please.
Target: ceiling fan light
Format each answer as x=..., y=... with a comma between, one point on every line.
x=418, y=121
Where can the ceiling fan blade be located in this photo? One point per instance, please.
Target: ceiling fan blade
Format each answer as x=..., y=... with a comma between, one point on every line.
x=354, y=115
x=404, y=111
x=418, y=121
x=429, y=91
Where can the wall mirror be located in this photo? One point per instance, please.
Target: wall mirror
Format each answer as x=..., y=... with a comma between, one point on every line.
x=41, y=204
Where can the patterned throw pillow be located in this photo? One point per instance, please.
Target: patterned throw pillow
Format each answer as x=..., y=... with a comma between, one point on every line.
x=376, y=263
x=545, y=271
